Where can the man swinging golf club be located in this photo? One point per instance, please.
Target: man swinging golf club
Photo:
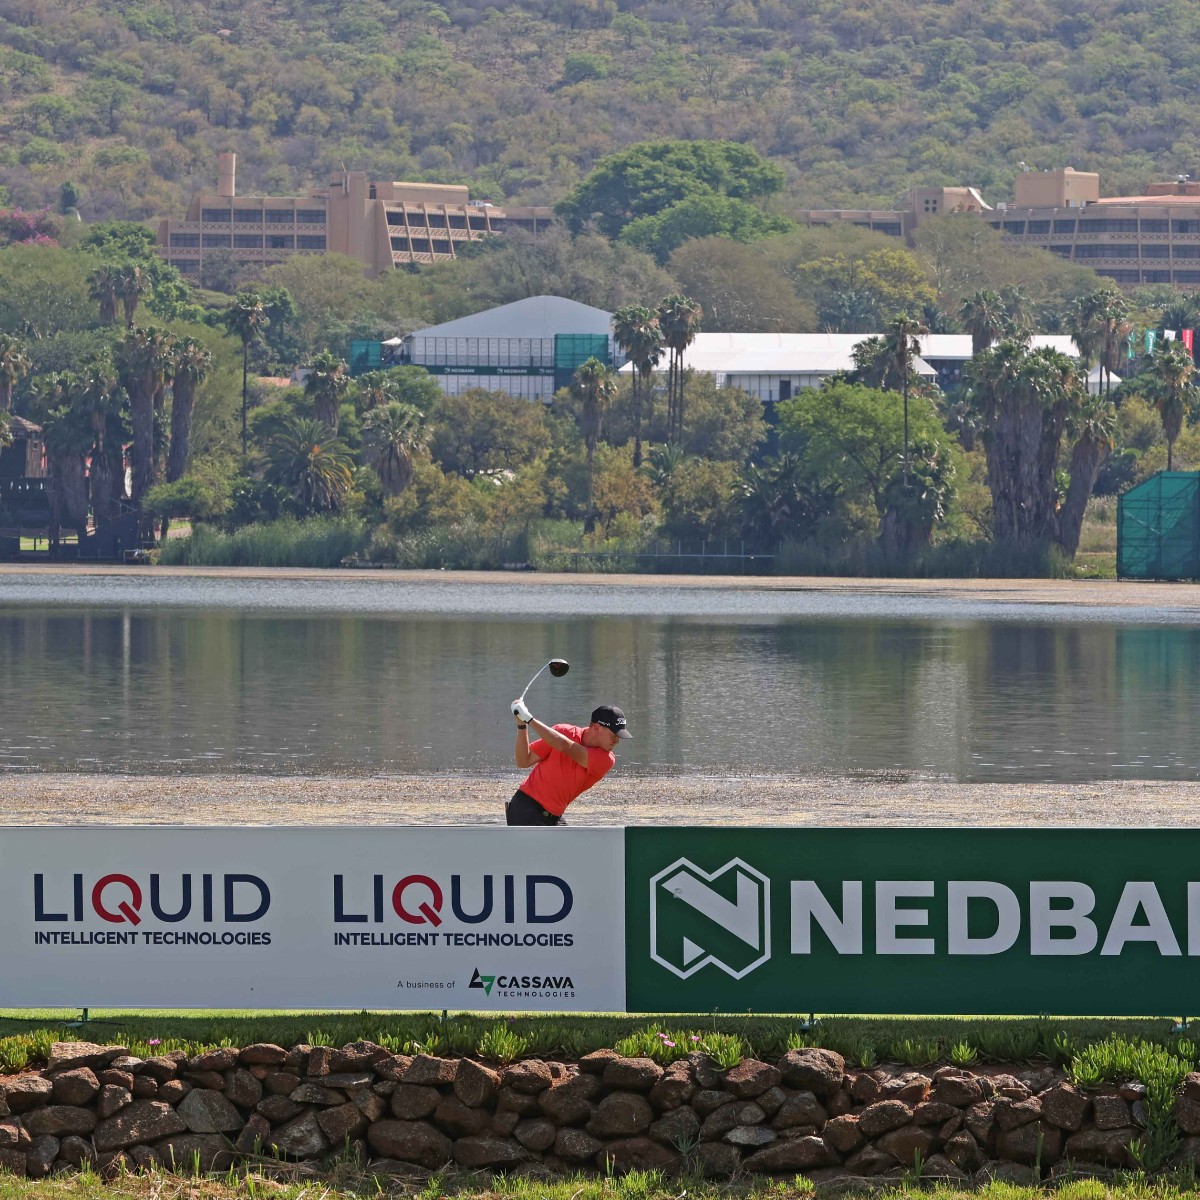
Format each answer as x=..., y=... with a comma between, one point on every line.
x=566, y=759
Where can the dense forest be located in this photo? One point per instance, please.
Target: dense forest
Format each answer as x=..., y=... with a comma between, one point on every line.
x=120, y=108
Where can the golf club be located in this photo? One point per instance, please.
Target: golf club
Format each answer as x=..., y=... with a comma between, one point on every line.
x=558, y=668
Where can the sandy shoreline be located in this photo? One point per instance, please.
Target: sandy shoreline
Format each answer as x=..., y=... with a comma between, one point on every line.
x=77, y=799
x=1171, y=597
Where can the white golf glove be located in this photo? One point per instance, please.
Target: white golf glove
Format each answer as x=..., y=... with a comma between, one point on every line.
x=521, y=712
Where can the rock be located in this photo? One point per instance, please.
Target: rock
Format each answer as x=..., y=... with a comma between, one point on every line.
x=357, y=1056
x=1187, y=1113
x=815, y=1070
x=426, y=1071
x=411, y=1141
x=933, y=1112
x=209, y=1112
x=570, y=1102
x=519, y=1102
x=621, y=1114
x=111, y=1077
x=729, y=1116
x=680, y=1127
x=115, y=1165
x=13, y=1134
x=865, y=1088
x=870, y=1161
x=67, y=1056
x=185, y=1152
x=57, y=1120
x=313, y=1093
x=262, y=1054
x=486, y=1150
x=980, y=1120
x=703, y=1071
x=798, y=1154
x=708, y=1100
x=715, y=1160
x=223, y=1059
x=537, y=1134
x=803, y=1108
x=453, y=1117
x=596, y=1062
x=278, y=1109
x=1064, y=1106
x=141, y=1121
x=1002, y=1172
x=1110, y=1112
x=144, y=1088
x=394, y=1067
x=751, y=1078
x=632, y=1074
x=39, y=1158
x=368, y=1103
x=174, y=1090
x=750, y=1135
x=529, y=1077
x=474, y=1084
x=341, y=1124
x=412, y=1103
x=910, y=1086
x=843, y=1133
x=320, y=1059
x=77, y=1151
x=938, y=1166
x=26, y=1091
x=964, y=1152
x=906, y=1143
x=77, y=1086
x=1068, y=1170
x=111, y=1100
x=242, y=1089
x=882, y=1116
x=301, y=1137
x=674, y=1088
x=254, y=1136
x=1010, y=1086
x=1036, y=1143
x=576, y=1146
x=281, y=1083
x=1107, y=1146
x=1012, y=1113
x=954, y=1086
x=13, y=1161
x=162, y=1067
x=636, y=1154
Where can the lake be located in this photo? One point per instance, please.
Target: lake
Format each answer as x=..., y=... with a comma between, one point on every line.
x=142, y=673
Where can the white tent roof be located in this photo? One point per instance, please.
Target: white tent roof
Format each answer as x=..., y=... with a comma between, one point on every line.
x=534, y=317
x=958, y=345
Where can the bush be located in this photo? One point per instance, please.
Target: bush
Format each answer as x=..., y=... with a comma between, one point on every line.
x=315, y=542
x=948, y=560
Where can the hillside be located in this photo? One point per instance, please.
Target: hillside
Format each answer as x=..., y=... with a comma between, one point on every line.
x=857, y=99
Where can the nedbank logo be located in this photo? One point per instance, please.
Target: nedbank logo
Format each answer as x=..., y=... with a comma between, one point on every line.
x=698, y=917
x=482, y=981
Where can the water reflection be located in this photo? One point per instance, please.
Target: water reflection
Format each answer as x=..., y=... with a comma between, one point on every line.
x=150, y=690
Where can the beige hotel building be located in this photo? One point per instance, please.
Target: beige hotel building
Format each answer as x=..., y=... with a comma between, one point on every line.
x=383, y=225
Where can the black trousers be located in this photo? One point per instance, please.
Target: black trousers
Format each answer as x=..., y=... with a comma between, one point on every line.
x=523, y=809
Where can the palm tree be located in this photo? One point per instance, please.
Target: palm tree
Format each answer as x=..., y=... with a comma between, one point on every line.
x=391, y=436
x=145, y=359
x=1092, y=425
x=14, y=366
x=679, y=319
x=67, y=442
x=1112, y=312
x=985, y=318
x=245, y=319
x=376, y=389
x=637, y=332
x=100, y=399
x=1171, y=373
x=131, y=284
x=192, y=364
x=327, y=385
x=595, y=385
x=316, y=468
x=102, y=286
x=1179, y=314
x=900, y=339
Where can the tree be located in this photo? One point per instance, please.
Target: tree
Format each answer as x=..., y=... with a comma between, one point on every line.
x=985, y=318
x=637, y=332
x=704, y=216
x=101, y=400
x=327, y=385
x=480, y=431
x=145, y=359
x=392, y=434
x=14, y=366
x=246, y=319
x=1098, y=327
x=1092, y=426
x=131, y=284
x=306, y=459
x=902, y=346
x=595, y=385
x=192, y=364
x=1171, y=372
x=103, y=283
x=679, y=319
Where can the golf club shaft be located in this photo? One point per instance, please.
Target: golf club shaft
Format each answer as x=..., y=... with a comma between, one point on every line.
x=531, y=682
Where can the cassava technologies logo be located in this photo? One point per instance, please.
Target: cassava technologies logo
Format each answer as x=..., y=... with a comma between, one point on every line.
x=718, y=918
x=523, y=987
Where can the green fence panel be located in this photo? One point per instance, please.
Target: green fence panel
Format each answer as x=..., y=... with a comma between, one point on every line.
x=365, y=355
x=1158, y=528
x=571, y=350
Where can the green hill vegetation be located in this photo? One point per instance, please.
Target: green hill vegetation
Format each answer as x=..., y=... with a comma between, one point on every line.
x=854, y=100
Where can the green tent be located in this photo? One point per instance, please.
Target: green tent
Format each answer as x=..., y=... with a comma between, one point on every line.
x=1158, y=528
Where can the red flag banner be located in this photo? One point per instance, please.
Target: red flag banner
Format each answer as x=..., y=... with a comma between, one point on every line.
x=1187, y=337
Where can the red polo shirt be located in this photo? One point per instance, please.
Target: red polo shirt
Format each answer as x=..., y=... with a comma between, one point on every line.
x=558, y=778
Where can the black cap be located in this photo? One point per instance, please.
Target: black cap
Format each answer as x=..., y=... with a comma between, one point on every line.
x=611, y=717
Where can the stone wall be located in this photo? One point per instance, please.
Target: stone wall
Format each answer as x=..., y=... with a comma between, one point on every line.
x=806, y=1113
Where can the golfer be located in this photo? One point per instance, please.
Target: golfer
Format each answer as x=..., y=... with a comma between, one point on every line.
x=566, y=761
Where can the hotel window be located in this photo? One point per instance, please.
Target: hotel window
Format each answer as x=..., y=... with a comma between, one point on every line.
x=1036, y=227
x=217, y=215
x=1065, y=226
x=1061, y=251
x=1187, y=276
x=1160, y=251
x=1118, y=276
x=419, y=245
x=279, y=216
x=1156, y=276
x=193, y=239
x=441, y=246
x=1108, y=225
x=310, y=242
x=1185, y=226
x=215, y=241
x=400, y=243
x=247, y=241
x=277, y=241
x=186, y=266
x=1154, y=226
x=248, y=216
x=1106, y=250
x=310, y=216
x=1014, y=226
x=1185, y=251
x=891, y=228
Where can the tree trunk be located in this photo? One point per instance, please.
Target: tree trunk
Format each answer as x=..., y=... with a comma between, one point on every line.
x=637, y=421
x=589, y=519
x=1022, y=453
x=1087, y=458
x=181, y=430
x=70, y=490
x=141, y=406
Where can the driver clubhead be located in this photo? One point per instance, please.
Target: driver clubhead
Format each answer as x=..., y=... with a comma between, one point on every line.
x=559, y=667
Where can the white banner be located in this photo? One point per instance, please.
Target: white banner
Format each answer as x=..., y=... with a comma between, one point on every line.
x=392, y=918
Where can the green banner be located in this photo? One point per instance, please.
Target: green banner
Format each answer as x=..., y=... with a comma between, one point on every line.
x=973, y=921
x=539, y=372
